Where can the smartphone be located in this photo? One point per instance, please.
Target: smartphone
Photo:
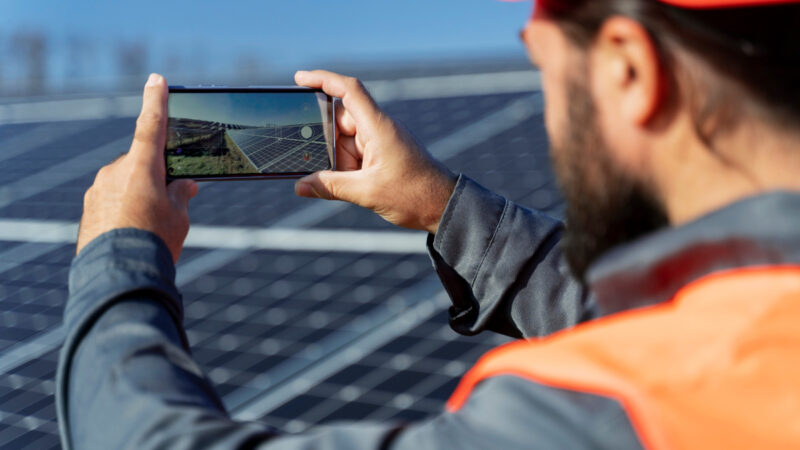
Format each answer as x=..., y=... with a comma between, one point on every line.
x=233, y=133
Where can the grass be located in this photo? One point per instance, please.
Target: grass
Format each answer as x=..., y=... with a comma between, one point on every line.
x=232, y=162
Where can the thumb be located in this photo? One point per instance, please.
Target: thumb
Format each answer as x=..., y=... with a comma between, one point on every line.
x=330, y=185
x=151, y=126
x=181, y=191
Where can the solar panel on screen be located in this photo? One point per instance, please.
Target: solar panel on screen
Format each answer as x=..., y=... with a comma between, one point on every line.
x=284, y=149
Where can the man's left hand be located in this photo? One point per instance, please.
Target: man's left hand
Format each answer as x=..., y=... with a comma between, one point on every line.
x=132, y=191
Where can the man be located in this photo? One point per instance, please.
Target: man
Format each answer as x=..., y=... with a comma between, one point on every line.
x=674, y=136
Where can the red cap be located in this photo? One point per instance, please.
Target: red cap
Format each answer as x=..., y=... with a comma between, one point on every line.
x=718, y=4
x=712, y=4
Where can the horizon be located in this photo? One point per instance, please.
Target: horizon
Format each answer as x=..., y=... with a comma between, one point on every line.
x=247, y=109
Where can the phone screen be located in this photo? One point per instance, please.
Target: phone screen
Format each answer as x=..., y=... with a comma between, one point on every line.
x=230, y=133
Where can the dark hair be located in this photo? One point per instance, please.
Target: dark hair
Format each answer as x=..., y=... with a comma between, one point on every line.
x=757, y=47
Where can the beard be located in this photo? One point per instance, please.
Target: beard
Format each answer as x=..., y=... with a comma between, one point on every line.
x=606, y=206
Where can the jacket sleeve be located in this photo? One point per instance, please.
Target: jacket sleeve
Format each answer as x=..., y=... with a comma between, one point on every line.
x=126, y=380
x=503, y=267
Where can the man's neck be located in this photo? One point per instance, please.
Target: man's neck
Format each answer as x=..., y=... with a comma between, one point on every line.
x=747, y=161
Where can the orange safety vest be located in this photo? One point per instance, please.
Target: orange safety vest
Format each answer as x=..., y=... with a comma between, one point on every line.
x=718, y=366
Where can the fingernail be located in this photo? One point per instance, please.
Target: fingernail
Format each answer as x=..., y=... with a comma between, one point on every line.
x=300, y=73
x=153, y=79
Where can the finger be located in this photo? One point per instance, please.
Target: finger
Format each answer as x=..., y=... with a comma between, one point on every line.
x=151, y=126
x=355, y=97
x=331, y=186
x=181, y=191
x=344, y=121
x=347, y=156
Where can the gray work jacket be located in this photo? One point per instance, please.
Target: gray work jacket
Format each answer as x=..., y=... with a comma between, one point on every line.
x=126, y=378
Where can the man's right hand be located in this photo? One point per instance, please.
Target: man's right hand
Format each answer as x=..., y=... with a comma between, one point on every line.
x=380, y=166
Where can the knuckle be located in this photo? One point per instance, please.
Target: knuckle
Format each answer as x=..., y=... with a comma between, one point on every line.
x=354, y=83
x=138, y=168
x=102, y=174
x=149, y=117
x=143, y=134
x=329, y=189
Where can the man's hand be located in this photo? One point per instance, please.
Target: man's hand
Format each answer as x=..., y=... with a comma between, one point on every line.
x=132, y=191
x=379, y=164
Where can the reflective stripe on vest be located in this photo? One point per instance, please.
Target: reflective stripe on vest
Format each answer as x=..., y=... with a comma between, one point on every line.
x=718, y=366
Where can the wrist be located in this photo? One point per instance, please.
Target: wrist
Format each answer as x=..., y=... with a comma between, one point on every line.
x=440, y=194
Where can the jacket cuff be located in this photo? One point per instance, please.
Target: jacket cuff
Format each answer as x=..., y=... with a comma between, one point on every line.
x=116, y=263
x=468, y=225
x=459, y=248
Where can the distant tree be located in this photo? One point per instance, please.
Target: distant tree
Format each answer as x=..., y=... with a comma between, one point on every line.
x=186, y=65
x=30, y=48
x=248, y=69
x=80, y=60
x=131, y=64
x=198, y=62
x=174, y=65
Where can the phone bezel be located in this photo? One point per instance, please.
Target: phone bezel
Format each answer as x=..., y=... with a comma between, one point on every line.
x=256, y=89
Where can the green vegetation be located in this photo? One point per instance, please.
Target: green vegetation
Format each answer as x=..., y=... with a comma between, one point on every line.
x=223, y=157
x=196, y=148
x=235, y=162
x=194, y=165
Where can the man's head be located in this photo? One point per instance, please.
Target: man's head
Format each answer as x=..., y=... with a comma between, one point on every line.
x=658, y=113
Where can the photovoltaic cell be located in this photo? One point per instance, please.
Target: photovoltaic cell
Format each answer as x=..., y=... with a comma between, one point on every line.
x=405, y=380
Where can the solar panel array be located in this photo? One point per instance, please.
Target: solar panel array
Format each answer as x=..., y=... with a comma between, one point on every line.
x=284, y=149
x=293, y=338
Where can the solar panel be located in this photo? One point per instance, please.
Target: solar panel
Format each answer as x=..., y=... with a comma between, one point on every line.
x=221, y=203
x=28, y=416
x=283, y=149
x=406, y=379
x=295, y=338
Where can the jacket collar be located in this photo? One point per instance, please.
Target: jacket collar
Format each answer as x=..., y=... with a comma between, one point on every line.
x=761, y=230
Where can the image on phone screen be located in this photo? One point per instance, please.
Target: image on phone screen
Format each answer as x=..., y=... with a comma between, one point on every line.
x=230, y=133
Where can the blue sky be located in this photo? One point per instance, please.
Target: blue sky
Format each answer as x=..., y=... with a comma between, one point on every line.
x=247, y=109
x=201, y=36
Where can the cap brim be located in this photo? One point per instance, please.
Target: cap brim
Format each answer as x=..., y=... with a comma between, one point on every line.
x=716, y=4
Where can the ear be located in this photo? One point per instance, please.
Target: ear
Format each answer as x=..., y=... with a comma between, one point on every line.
x=626, y=72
